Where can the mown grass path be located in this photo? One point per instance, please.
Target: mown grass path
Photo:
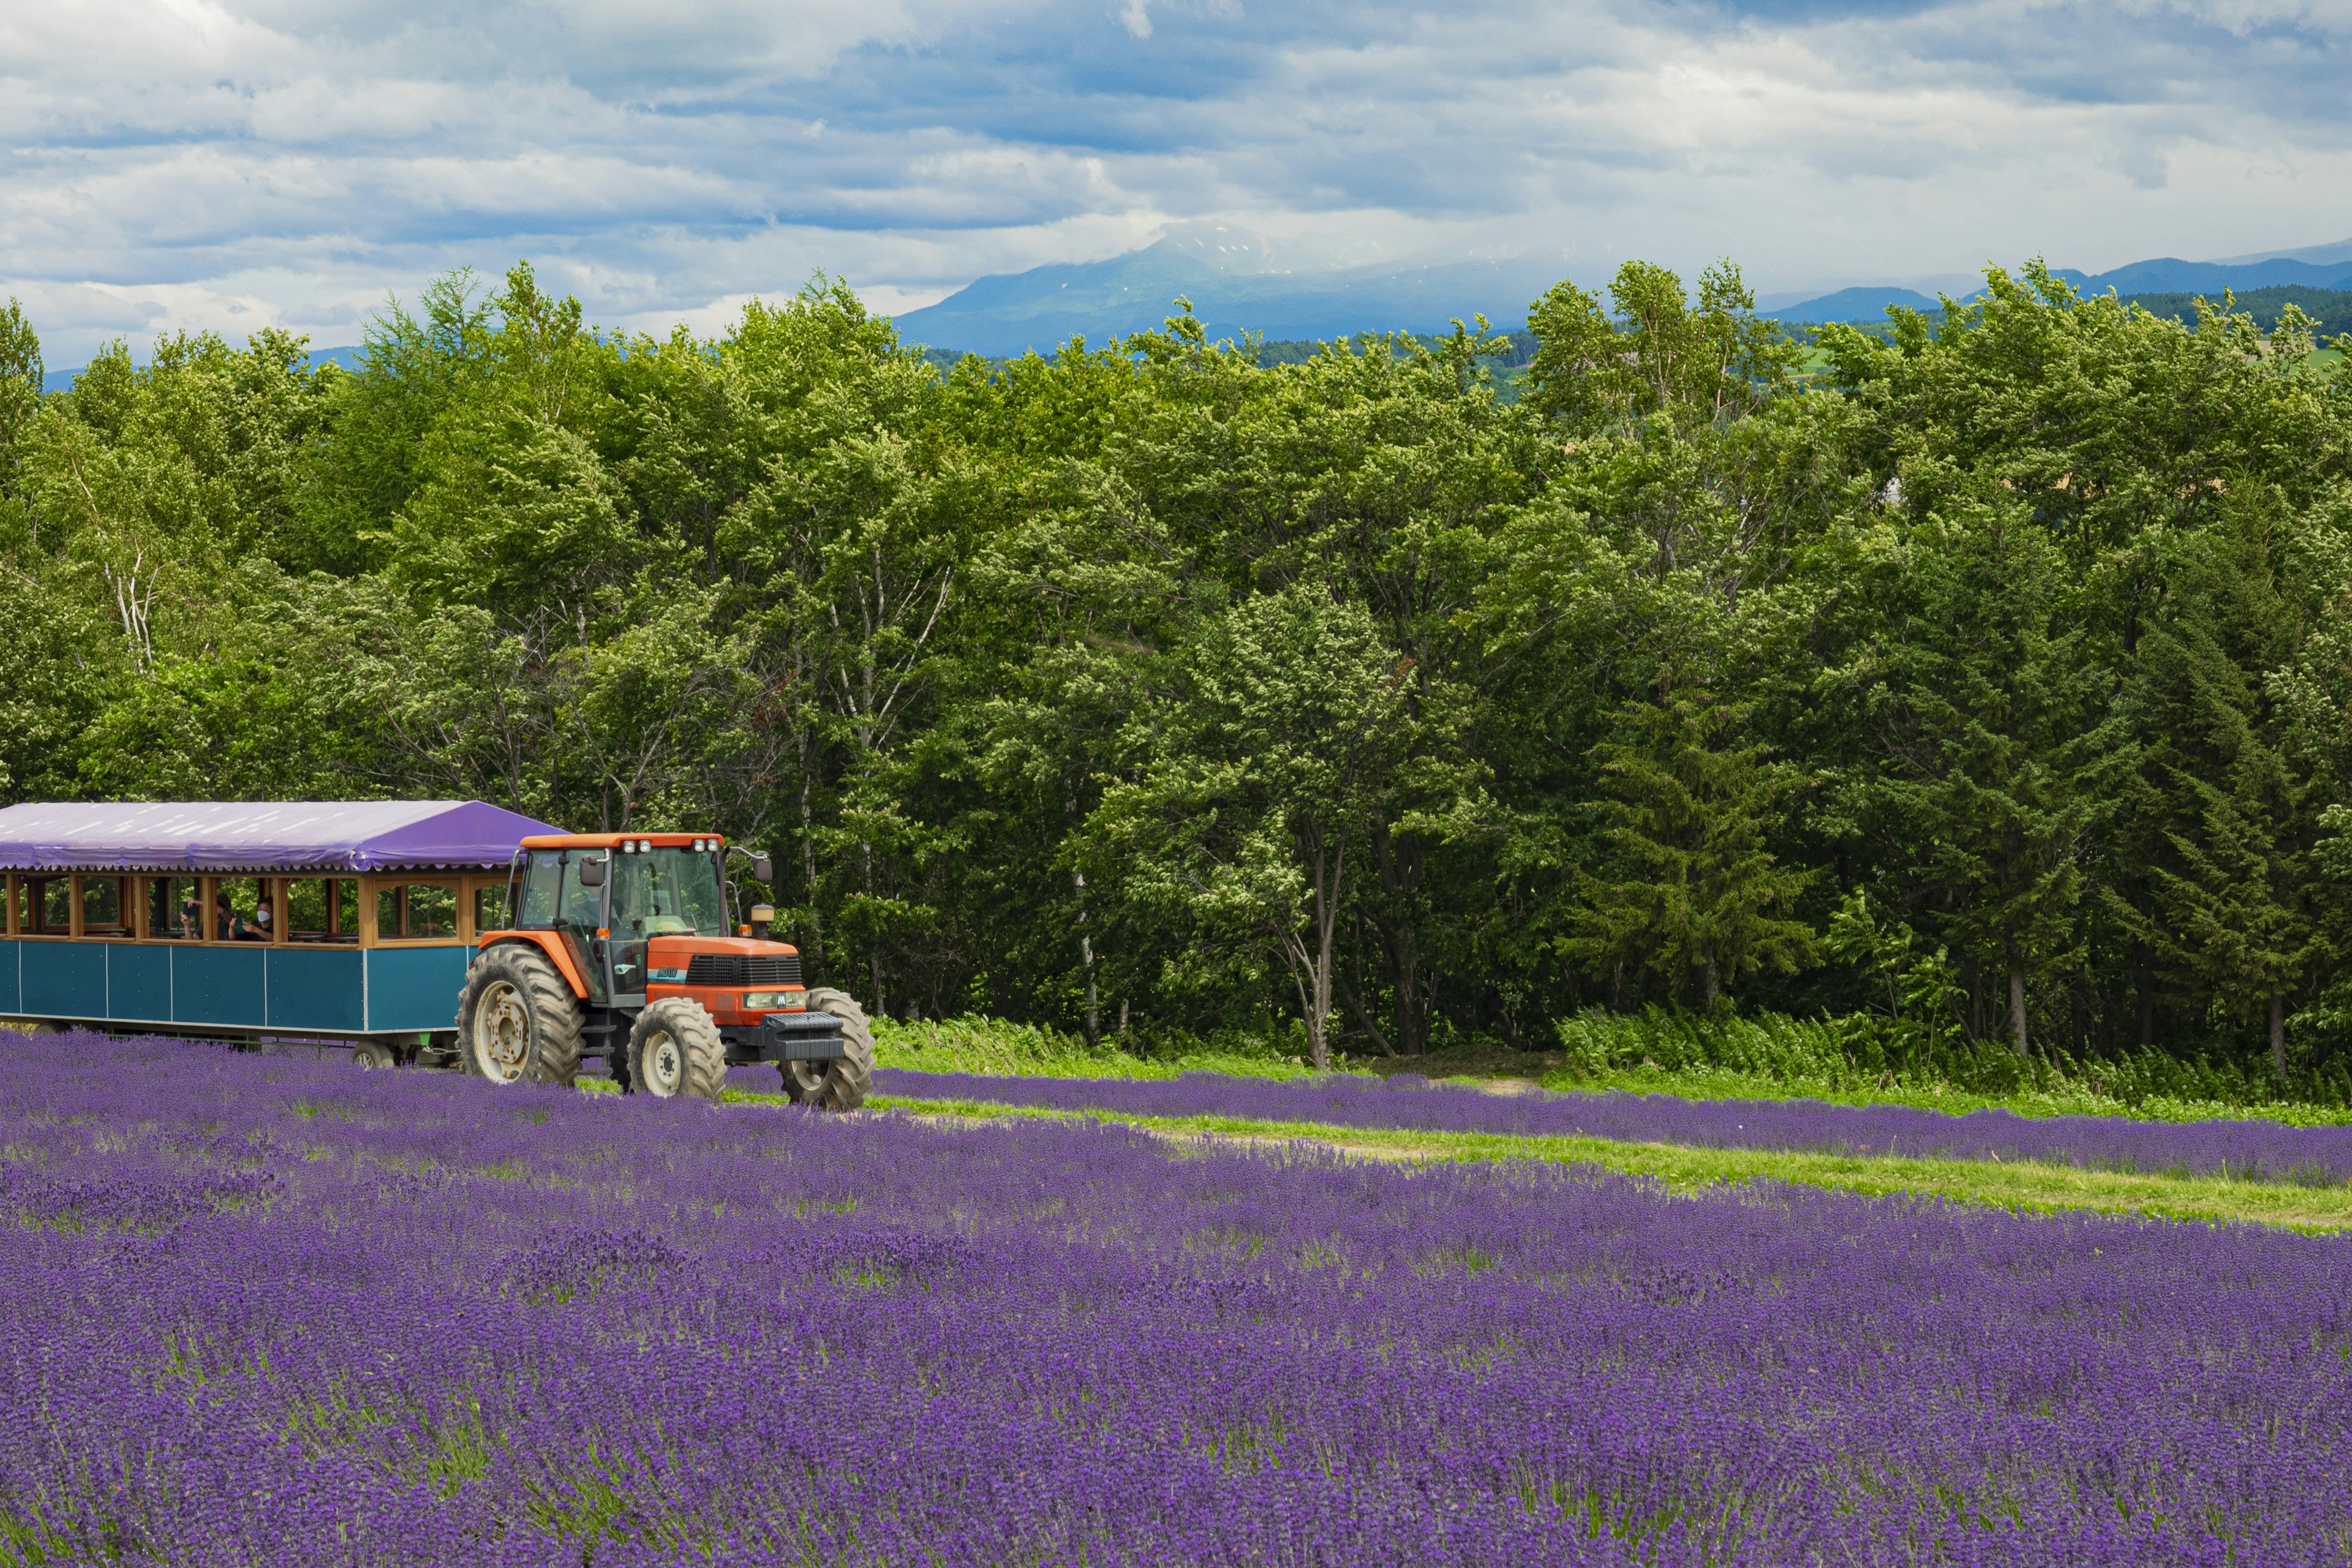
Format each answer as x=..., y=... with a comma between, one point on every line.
x=2018, y=1185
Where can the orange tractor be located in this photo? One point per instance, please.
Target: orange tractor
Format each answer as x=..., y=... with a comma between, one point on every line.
x=622, y=944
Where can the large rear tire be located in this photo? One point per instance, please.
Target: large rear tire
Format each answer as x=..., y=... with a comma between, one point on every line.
x=676, y=1052
x=518, y=1022
x=839, y=1084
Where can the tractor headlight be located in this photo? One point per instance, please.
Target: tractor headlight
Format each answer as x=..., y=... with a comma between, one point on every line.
x=773, y=1001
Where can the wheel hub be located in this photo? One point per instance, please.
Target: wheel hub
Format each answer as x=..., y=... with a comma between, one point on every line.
x=665, y=1065
x=502, y=1034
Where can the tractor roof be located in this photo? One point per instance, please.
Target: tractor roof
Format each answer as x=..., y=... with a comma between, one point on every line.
x=614, y=840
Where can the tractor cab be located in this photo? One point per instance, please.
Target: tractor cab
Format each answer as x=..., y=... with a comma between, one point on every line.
x=631, y=911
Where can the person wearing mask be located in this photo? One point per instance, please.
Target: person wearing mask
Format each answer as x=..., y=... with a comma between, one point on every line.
x=258, y=928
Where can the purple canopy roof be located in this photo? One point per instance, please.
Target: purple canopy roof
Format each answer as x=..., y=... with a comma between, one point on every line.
x=246, y=836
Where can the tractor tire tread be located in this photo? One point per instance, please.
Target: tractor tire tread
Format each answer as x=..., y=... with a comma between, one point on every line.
x=697, y=1035
x=557, y=1028
x=847, y=1077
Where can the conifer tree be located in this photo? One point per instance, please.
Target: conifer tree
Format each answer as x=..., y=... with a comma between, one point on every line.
x=1999, y=744
x=1693, y=896
x=2225, y=897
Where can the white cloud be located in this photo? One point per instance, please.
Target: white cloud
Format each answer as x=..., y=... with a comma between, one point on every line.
x=212, y=162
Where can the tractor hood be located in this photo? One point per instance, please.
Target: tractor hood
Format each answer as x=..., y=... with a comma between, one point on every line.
x=721, y=961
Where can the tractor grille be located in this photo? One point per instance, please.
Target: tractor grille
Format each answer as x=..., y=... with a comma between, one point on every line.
x=743, y=969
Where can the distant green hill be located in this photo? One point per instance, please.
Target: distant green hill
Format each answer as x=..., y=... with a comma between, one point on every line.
x=2331, y=307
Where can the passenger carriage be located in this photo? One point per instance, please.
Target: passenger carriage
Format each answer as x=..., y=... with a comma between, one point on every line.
x=147, y=915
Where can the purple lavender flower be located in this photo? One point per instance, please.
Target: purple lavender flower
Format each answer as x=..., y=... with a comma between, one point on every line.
x=267, y=1309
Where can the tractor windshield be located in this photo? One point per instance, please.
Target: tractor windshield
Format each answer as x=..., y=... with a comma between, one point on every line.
x=661, y=893
x=666, y=892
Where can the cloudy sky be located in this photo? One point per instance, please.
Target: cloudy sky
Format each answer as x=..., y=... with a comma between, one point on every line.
x=229, y=163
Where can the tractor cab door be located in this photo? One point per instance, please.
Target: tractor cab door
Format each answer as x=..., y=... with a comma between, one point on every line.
x=554, y=897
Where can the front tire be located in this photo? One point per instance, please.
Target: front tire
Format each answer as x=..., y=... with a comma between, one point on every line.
x=518, y=1022
x=839, y=1084
x=676, y=1052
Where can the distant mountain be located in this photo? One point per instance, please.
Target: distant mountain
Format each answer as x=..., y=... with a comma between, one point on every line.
x=1238, y=282
x=1241, y=282
x=349, y=358
x=2321, y=254
x=1853, y=305
x=2327, y=267
x=2168, y=276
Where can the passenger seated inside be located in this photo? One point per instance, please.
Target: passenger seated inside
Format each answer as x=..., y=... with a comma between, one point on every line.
x=257, y=929
x=227, y=924
x=192, y=915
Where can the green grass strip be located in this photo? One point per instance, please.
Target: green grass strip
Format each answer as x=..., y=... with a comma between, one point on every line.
x=2025, y=1186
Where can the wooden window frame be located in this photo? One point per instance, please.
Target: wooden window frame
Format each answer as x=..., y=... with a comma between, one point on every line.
x=129, y=931
x=467, y=916
x=370, y=888
x=147, y=880
x=211, y=900
x=73, y=884
x=334, y=936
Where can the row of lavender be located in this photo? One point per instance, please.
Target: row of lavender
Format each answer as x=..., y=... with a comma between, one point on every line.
x=266, y=1310
x=2264, y=1150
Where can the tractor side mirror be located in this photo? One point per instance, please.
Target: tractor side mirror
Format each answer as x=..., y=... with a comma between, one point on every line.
x=763, y=869
x=592, y=872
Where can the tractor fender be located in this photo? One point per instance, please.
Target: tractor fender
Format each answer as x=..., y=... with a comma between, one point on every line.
x=548, y=942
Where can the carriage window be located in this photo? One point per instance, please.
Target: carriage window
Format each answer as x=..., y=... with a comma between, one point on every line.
x=432, y=911
x=490, y=907
x=45, y=906
x=237, y=903
x=323, y=909
x=417, y=911
x=104, y=911
x=175, y=909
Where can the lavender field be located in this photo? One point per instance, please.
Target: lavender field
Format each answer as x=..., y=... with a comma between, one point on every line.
x=2254, y=1149
x=267, y=1309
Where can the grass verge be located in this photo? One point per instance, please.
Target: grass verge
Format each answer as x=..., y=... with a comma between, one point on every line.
x=2038, y=1188
x=1723, y=1083
x=991, y=1047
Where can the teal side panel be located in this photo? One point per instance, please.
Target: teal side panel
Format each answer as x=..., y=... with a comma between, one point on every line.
x=316, y=988
x=414, y=987
x=139, y=982
x=11, y=1000
x=218, y=985
x=64, y=979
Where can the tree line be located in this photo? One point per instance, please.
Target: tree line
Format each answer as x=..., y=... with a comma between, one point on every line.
x=1991, y=678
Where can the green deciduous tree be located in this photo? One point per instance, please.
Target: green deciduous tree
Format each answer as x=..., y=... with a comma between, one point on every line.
x=1258, y=775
